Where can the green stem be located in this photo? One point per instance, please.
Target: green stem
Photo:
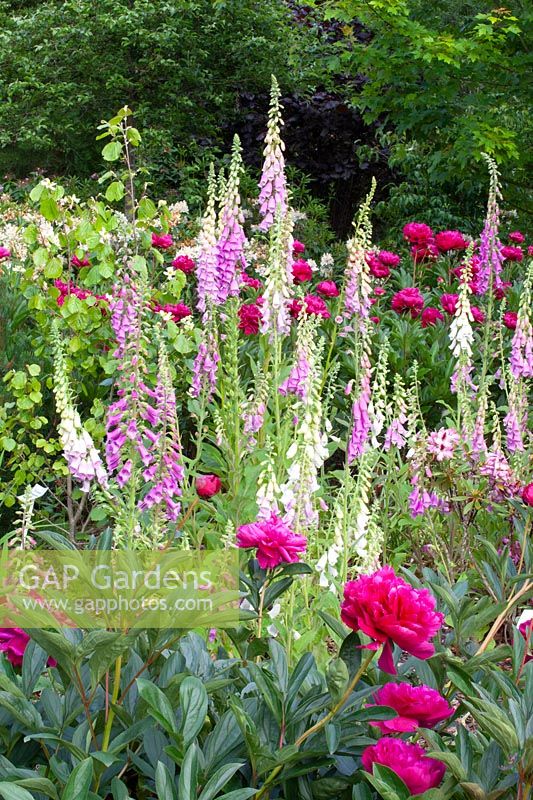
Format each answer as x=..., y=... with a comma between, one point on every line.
x=114, y=698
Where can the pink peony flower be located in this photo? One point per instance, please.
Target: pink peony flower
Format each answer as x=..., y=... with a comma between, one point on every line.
x=499, y=291
x=253, y=283
x=425, y=251
x=417, y=233
x=450, y=240
x=418, y=771
x=377, y=268
x=388, y=258
x=530, y=250
x=301, y=271
x=184, y=264
x=524, y=623
x=510, y=318
x=375, y=320
x=512, y=253
x=250, y=318
x=408, y=299
x=379, y=291
x=516, y=237
x=389, y=610
x=207, y=485
x=527, y=494
x=477, y=314
x=449, y=303
x=430, y=316
x=327, y=289
x=178, y=311
x=162, y=241
x=417, y=707
x=298, y=247
x=313, y=305
x=79, y=262
x=13, y=642
x=4, y=253
x=275, y=542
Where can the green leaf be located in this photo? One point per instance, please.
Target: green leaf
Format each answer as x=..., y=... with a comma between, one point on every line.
x=49, y=208
x=238, y=794
x=147, y=209
x=112, y=151
x=193, y=704
x=10, y=791
x=119, y=790
x=218, y=780
x=387, y=783
x=165, y=787
x=42, y=785
x=115, y=191
x=158, y=705
x=33, y=664
x=79, y=784
x=188, y=782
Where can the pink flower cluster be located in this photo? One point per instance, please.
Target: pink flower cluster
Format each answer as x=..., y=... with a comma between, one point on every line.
x=418, y=771
x=66, y=289
x=273, y=540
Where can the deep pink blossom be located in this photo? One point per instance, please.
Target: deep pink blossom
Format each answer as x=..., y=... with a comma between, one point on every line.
x=388, y=258
x=424, y=251
x=184, y=264
x=430, y=316
x=408, y=299
x=510, y=318
x=162, y=241
x=418, y=771
x=417, y=233
x=327, y=289
x=253, y=283
x=275, y=542
x=4, y=253
x=477, y=314
x=178, y=311
x=13, y=642
x=449, y=303
x=301, y=271
x=313, y=305
x=527, y=494
x=379, y=291
x=416, y=706
x=79, y=262
x=377, y=268
x=450, y=240
x=207, y=485
x=512, y=253
x=249, y=318
x=388, y=609
x=516, y=237
x=298, y=247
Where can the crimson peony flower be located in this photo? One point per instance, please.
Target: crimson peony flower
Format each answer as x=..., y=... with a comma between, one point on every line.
x=250, y=318
x=327, y=289
x=477, y=314
x=375, y=320
x=388, y=610
x=178, y=311
x=530, y=250
x=430, y=316
x=450, y=240
x=184, y=264
x=425, y=251
x=298, y=247
x=79, y=262
x=516, y=237
x=377, y=268
x=13, y=642
x=499, y=291
x=449, y=303
x=162, y=241
x=301, y=271
x=510, y=318
x=417, y=707
x=527, y=494
x=418, y=771
x=524, y=623
x=417, y=233
x=379, y=291
x=512, y=253
x=275, y=542
x=313, y=305
x=207, y=485
x=4, y=253
x=408, y=299
x=253, y=283
x=388, y=258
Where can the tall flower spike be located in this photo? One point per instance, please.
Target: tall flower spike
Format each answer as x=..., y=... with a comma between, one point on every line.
x=204, y=378
x=521, y=361
x=461, y=339
x=278, y=279
x=83, y=460
x=396, y=434
x=357, y=285
x=361, y=422
x=490, y=256
x=273, y=184
x=206, y=268
x=231, y=241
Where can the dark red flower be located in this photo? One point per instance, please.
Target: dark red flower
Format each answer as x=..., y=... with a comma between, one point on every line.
x=512, y=253
x=301, y=271
x=449, y=303
x=430, y=316
x=327, y=289
x=510, y=318
x=313, y=305
x=207, y=485
x=250, y=318
x=408, y=299
x=450, y=240
x=184, y=264
x=527, y=494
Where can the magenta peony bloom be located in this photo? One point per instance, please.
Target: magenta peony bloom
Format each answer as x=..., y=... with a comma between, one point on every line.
x=207, y=485
x=184, y=264
x=13, y=642
x=477, y=314
x=178, y=311
x=450, y=240
x=516, y=237
x=162, y=241
x=275, y=542
x=298, y=247
x=417, y=233
x=388, y=610
x=313, y=305
x=530, y=250
x=253, y=283
x=510, y=319
x=408, y=299
x=512, y=253
x=377, y=268
x=417, y=707
x=418, y=771
x=379, y=291
x=327, y=289
x=4, y=253
x=301, y=271
x=430, y=316
x=425, y=251
x=449, y=303
x=388, y=258
x=79, y=262
x=527, y=494
x=250, y=318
